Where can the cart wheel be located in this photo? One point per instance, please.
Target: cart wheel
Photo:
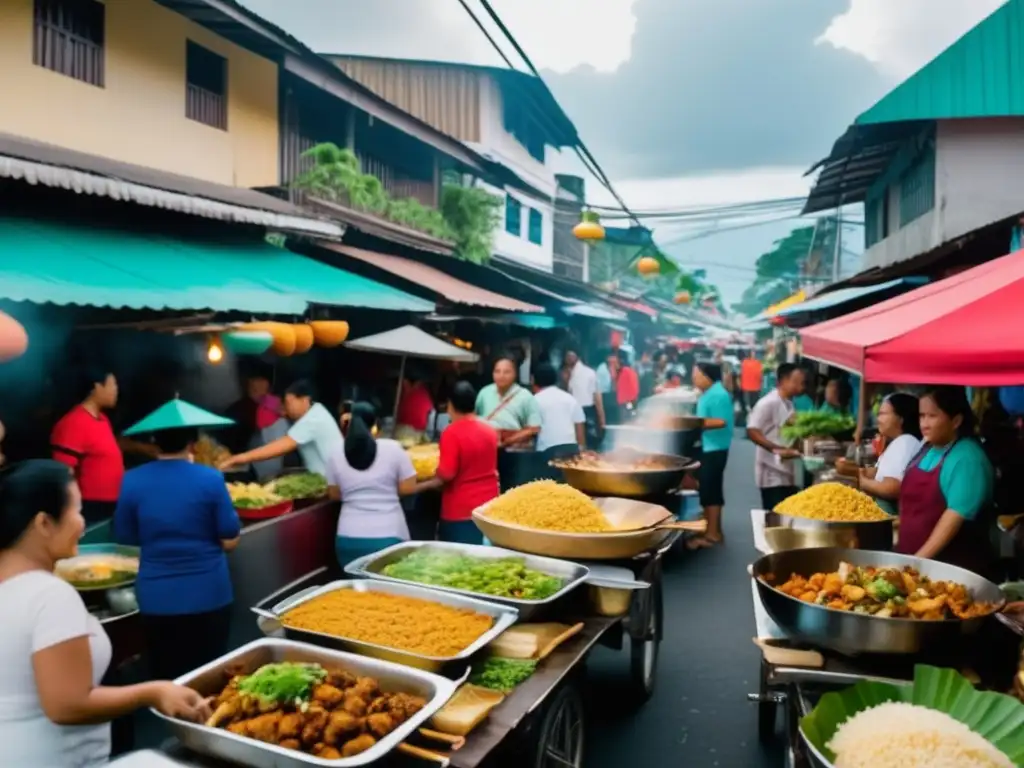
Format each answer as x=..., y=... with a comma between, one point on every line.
x=562, y=732
x=643, y=654
x=767, y=711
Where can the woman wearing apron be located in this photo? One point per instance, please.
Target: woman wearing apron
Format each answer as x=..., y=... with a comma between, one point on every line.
x=511, y=410
x=947, y=487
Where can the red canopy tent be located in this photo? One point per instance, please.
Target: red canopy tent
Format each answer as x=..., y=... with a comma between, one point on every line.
x=967, y=329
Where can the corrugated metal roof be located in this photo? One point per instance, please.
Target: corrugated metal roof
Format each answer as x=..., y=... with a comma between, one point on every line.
x=445, y=286
x=980, y=75
x=52, y=166
x=44, y=262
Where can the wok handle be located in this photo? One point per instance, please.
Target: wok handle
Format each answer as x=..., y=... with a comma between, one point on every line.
x=424, y=754
x=456, y=742
x=692, y=526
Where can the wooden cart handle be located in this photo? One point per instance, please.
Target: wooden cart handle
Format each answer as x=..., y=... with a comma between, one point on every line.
x=456, y=742
x=693, y=526
x=555, y=642
x=424, y=754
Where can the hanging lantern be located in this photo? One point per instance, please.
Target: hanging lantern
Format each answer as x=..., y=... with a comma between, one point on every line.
x=303, y=338
x=589, y=227
x=648, y=265
x=214, y=350
x=329, y=333
x=13, y=339
x=247, y=342
x=283, y=336
x=683, y=297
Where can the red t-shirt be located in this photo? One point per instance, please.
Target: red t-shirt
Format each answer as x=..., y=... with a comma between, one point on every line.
x=414, y=408
x=627, y=386
x=750, y=375
x=86, y=443
x=469, y=467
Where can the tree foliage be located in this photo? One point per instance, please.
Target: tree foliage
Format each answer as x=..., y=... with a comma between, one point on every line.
x=467, y=217
x=777, y=272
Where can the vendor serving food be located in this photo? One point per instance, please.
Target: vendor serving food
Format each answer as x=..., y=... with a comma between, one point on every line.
x=53, y=652
x=947, y=486
x=182, y=519
x=899, y=422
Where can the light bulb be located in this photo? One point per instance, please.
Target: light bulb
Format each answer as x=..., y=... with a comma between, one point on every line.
x=214, y=352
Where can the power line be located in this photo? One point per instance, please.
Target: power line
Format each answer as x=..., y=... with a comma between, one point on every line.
x=585, y=155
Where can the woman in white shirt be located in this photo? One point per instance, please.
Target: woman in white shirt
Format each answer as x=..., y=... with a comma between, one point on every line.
x=53, y=653
x=900, y=424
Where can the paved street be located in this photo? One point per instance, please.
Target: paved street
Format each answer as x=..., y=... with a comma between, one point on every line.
x=699, y=716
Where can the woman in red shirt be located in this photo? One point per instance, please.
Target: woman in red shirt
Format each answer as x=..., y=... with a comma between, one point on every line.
x=627, y=384
x=468, y=467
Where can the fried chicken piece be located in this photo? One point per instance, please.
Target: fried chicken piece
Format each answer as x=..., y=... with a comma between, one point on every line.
x=328, y=695
x=354, y=704
x=241, y=728
x=327, y=752
x=290, y=726
x=853, y=593
x=358, y=745
x=365, y=687
x=340, y=726
x=380, y=724
x=832, y=585
x=380, y=704
x=339, y=678
x=264, y=727
x=927, y=605
x=402, y=706
x=225, y=712
x=291, y=744
x=315, y=721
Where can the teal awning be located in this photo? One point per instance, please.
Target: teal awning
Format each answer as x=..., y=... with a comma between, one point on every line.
x=847, y=295
x=44, y=262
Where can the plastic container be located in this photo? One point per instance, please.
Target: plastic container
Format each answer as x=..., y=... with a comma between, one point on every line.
x=689, y=506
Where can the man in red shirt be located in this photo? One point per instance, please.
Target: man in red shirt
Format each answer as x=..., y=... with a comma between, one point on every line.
x=468, y=467
x=84, y=440
x=415, y=404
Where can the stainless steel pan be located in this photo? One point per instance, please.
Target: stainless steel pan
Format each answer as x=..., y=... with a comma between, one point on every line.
x=627, y=483
x=875, y=535
x=854, y=633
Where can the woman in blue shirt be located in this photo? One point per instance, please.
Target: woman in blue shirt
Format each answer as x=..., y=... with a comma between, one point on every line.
x=715, y=407
x=181, y=517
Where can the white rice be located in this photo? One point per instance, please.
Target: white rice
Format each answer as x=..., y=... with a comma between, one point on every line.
x=897, y=735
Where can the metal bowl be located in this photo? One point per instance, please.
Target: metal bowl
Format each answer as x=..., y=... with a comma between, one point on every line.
x=854, y=633
x=91, y=552
x=627, y=483
x=637, y=519
x=875, y=535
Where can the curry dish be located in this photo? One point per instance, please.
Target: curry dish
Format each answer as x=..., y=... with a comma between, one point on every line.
x=620, y=462
x=393, y=621
x=330, y=714
x=885, y=593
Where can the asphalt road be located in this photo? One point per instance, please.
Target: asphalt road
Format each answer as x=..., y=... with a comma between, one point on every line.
x=699, y=716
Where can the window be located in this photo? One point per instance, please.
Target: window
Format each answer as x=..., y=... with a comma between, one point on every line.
x=206, y=87
x=68, y=38
x=536, y=222
x=513, y=216
x=917, y=188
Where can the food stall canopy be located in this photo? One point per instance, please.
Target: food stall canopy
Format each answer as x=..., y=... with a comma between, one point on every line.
x=961, y=330
x=177, y=414
x=797, y=298
x=48, y=262
x=594, y=311
x=410, y=341
x=448, y=288
x=843, y=296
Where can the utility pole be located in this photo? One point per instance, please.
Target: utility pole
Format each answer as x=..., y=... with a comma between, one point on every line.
x=837, y=256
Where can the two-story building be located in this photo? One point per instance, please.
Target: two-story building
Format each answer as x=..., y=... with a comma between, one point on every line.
x=937, y=162
x=507, y=116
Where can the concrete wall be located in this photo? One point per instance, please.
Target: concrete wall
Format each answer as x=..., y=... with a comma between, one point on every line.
x=139, y=115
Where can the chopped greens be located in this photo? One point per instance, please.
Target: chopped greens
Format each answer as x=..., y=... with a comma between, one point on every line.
x=284, y=681
x=305, y=485
x=503, y=675
x=503, y=577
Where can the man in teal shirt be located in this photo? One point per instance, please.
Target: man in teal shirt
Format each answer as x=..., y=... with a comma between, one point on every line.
x=715, y=407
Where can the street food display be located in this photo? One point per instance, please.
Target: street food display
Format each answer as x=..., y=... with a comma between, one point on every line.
x=301, y=485
x=833, y=502
x=393, y=621
x=425, y=459
x=818, y=424
x=550, y=506
x=885, y=593
x=466, y=709
x=408, y=437
x=503, y=577
x=252, y=496
x=98, y=571
x=620, y=461
x=209, y=452
x=937, y=720
x=330, y=714
x=501, y=674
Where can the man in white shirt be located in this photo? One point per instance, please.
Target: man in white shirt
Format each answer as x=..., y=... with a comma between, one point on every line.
x=583, y=387
x=562, y=419
x=774, y=468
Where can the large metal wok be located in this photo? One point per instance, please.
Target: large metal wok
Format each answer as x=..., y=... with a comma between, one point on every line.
x=791, y=532
x=854, y=633
x=626, y=483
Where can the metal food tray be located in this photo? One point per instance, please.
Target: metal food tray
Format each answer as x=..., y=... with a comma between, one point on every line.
x=504, y=617
x=87, y=552
x=217, y=742
x=571, y=574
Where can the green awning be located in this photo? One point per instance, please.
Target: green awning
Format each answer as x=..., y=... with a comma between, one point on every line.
x=44, y=262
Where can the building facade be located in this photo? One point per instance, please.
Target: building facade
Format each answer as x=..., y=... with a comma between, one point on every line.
x=508, y=117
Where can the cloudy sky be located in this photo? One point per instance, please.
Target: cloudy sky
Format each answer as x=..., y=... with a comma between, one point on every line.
x=684, y=102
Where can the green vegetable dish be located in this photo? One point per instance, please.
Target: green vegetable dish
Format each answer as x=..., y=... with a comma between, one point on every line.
x=503, y=675
x=818, y=424
x=503, y=577
x=283, y=682
x=307, y=485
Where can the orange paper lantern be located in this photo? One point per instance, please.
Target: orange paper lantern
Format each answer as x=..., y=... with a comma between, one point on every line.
x=683, y=297
x=303, y=338
x=329, y=333
x=283, y=335
x=648, y=265
x=589, y=227
x=13, y=338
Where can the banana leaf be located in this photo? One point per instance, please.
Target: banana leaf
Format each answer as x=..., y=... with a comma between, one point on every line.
x=994, y=716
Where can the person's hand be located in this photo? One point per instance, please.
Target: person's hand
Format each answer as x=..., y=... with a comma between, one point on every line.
x=788, y=453
x=229, y=463
x=179, y=702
